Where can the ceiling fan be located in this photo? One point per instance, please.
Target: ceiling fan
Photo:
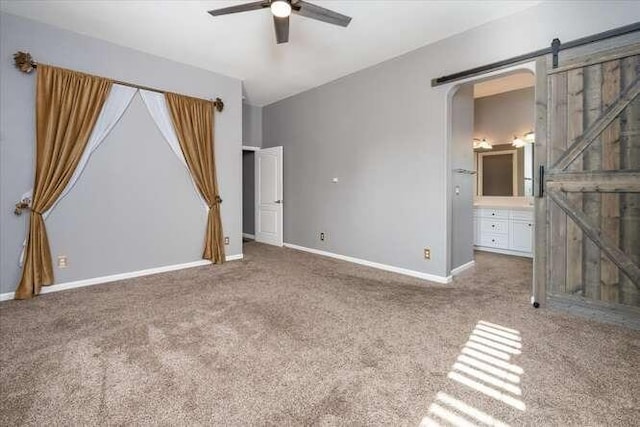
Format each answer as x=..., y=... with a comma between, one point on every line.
x=281, y=10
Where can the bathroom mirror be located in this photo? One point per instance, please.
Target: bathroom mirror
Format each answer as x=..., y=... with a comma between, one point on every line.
x=504, y=171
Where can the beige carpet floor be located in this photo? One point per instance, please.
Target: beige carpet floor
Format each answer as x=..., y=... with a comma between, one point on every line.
x=289, y=338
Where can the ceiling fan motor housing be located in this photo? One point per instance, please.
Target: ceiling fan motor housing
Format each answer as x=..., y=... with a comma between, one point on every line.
x=282, y=9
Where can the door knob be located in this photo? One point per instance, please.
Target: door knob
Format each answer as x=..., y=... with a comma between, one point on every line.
x=278, y=201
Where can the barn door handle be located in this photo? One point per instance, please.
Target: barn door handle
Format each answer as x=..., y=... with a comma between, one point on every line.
x=541, y=182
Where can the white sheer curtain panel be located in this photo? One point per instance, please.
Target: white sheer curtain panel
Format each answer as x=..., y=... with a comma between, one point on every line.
x=114, y=107
x=157, y=106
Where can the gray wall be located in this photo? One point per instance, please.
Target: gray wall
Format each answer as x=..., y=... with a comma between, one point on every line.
x=248, y=192
x=461, y=153
x=382, y=132
x=251, y=125
x=134, y=207
x=499, y=117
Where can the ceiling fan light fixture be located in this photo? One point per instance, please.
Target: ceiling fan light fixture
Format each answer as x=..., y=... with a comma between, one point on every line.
x=280, y=8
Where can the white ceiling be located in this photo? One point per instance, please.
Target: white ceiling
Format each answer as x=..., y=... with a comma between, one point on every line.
x=515, y=81
x=243, y=45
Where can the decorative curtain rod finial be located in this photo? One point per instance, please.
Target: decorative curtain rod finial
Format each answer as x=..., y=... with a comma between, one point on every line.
x=22, y=205
x=219, y=105
x=24, y=62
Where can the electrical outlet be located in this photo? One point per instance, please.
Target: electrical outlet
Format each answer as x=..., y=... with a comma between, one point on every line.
x=62, y=261
x=427, y=253
x=226, y=240
x=322, y=236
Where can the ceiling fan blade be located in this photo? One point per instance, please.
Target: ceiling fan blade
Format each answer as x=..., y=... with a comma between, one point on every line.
x=312, y=11
x=281, y=25
x=240, y=8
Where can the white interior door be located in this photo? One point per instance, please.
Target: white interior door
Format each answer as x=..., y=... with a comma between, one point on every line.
x=269, y=196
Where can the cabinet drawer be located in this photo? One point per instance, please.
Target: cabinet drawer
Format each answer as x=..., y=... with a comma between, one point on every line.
x=493, y=226
x=493, y=213
x=500, y=241
x=522, y=215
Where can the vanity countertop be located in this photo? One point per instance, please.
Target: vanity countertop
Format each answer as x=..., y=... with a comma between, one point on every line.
x=513, y=203
x=510, y=207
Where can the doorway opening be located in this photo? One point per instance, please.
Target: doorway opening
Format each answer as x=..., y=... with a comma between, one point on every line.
x=262, y=195
x=491, y=144
x=586, y=175
x=248, y=193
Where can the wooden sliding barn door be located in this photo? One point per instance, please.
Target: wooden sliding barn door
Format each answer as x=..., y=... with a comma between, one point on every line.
x=590, y=210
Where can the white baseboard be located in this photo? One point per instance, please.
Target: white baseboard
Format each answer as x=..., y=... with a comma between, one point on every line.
x=249, y=236
x=504, y=251
x=234, y=257
x=463, y=267
x=385, y=267
x=122, y=276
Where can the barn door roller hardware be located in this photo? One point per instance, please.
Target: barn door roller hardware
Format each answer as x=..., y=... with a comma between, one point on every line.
x=554, y=50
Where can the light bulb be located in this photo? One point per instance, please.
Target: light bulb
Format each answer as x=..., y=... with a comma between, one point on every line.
x=517, y=142
x=484, y=144
x=280, y=8
x=530, y=137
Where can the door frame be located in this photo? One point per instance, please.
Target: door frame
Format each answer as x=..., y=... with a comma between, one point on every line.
x=451, y=89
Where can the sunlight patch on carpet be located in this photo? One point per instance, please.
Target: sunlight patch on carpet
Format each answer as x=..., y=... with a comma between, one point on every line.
x=483, y=366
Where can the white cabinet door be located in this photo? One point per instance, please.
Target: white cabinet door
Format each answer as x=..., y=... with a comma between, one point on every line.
x=521, y=236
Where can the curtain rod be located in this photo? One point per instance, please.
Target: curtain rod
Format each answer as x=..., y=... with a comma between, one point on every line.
x=25, y=63
x=555, y=48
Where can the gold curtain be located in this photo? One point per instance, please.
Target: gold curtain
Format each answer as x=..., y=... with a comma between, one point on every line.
x=67, y=106
x=193, y=121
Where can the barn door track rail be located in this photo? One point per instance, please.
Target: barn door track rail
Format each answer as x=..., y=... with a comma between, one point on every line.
x=554, y=50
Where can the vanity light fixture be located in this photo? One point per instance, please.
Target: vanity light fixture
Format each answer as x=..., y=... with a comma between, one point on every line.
x=530, y=137
x=481, y=143
x=517, y=142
